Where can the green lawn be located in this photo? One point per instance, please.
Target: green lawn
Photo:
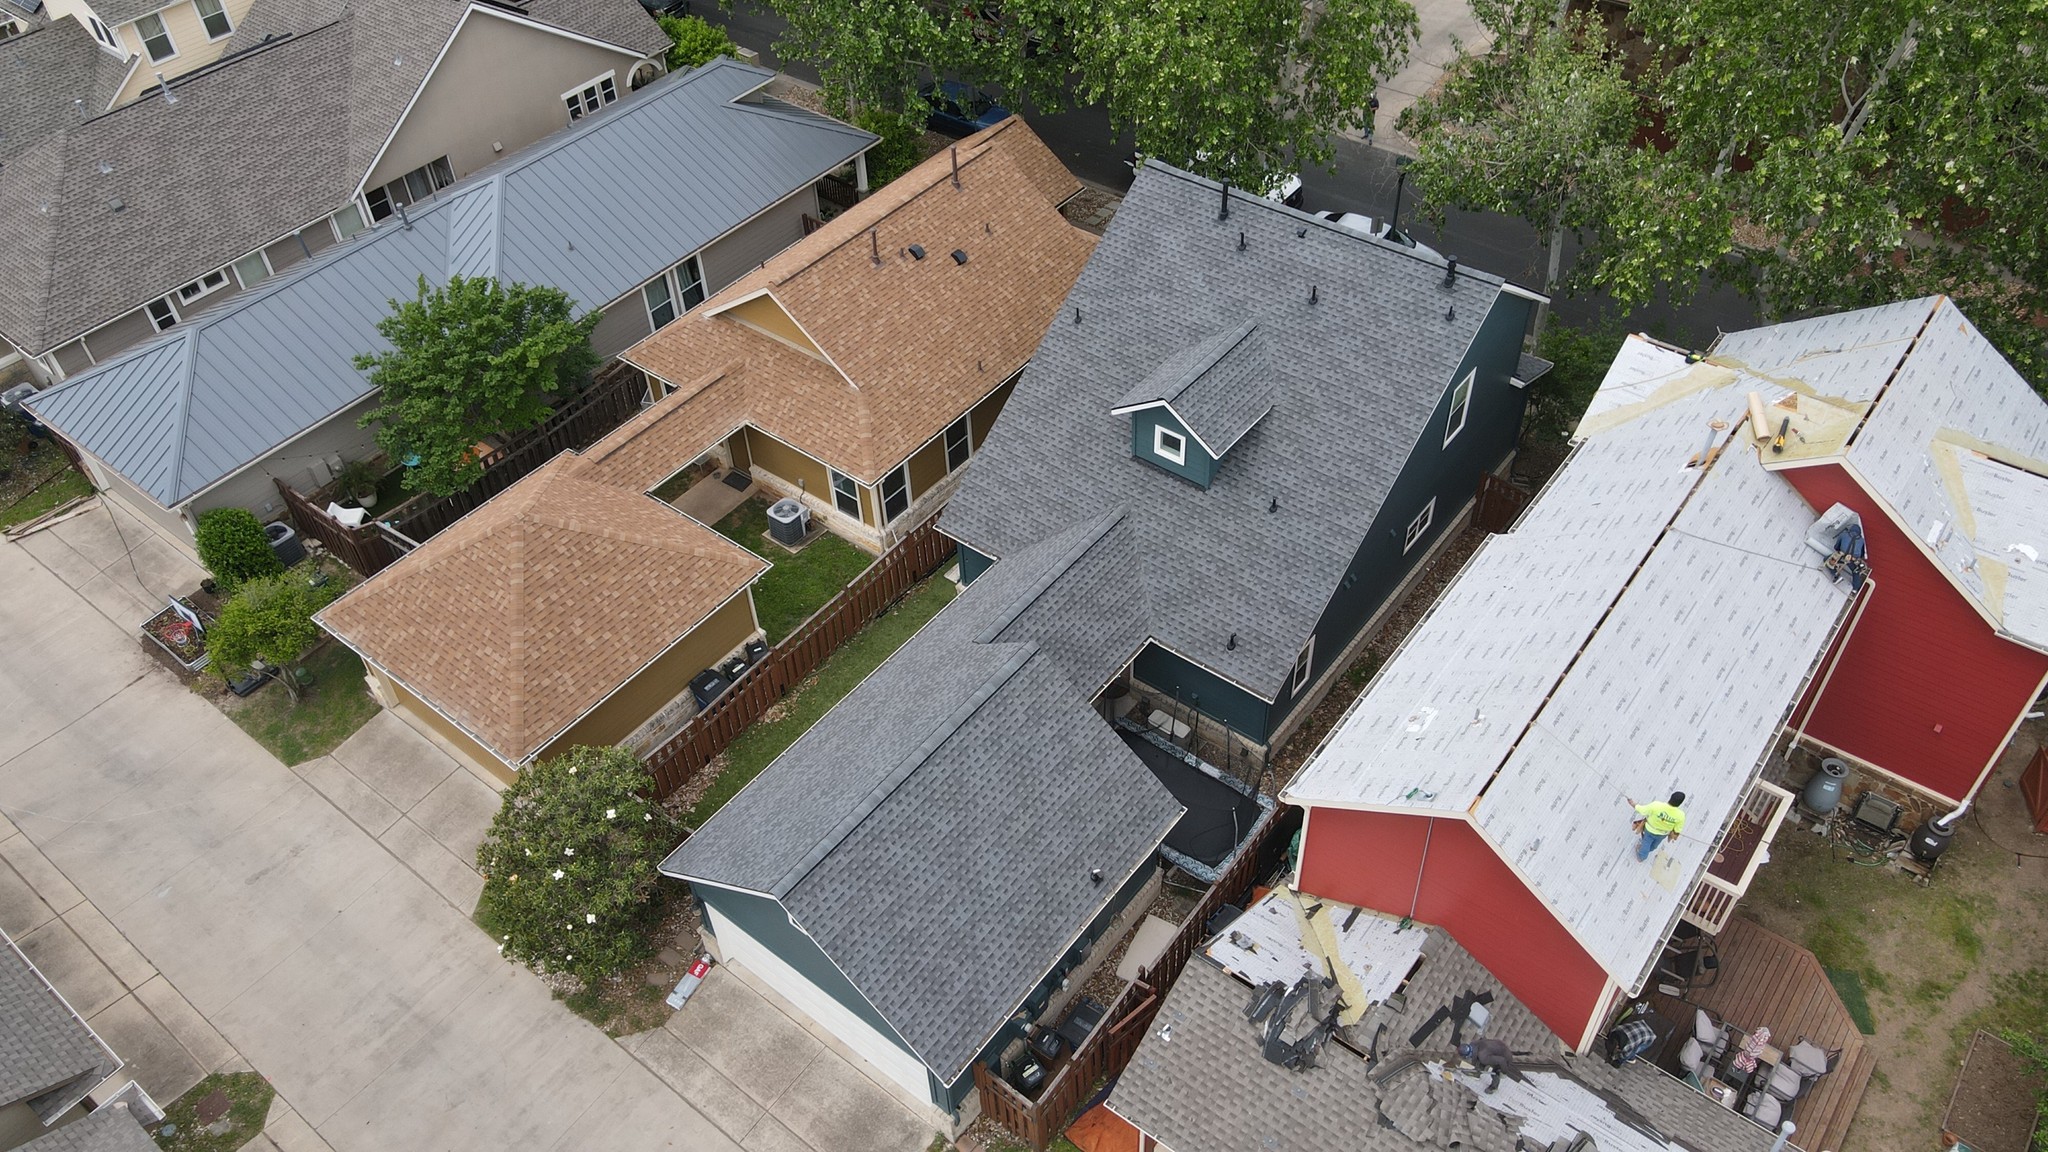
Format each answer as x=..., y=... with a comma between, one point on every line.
x=335, y=704
x=67, y=484
x=797, y=585
x=762, y=743
x=233, y=1106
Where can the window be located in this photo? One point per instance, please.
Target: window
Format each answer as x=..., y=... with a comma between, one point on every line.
x=1419, y=527
x=590, y=97
x=348, y=222
x=206, y=285
x=104, y=35
x=1170, y=445
x=845, y=494
x=661, y=301
x=684, y=283
x=252, y=269
x=1461, y=406
x=410, y=188
x=9, y=28
x=690, y=283
x=161, y=314
x=156, y=39
x=214, y=17
x=896, y=492
x=959, y=445
x=1303, y=664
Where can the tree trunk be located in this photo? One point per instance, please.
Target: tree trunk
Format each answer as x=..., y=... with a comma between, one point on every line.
x=1556, y=246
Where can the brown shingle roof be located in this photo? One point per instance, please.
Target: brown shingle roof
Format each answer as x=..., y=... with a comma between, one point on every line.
x=912, y=343
x=529, y=611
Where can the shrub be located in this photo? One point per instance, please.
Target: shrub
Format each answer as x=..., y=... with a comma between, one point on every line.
x=902, y=145
x=271, y=619
x=569, y=864
x=1581, y=356
x=232, y=546
x=694, y=42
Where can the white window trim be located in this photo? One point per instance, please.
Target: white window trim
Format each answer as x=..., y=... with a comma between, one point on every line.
x=647, y=302
x=882, y=493
x=224, y=14
x=105, y=35
x=268, y=271
x=1460, y=412
x=1174, y=455
x=205, y=289
x=9, y=28
x=834, y=476
x=168, y=302
x=1303, y=665
x=144, y=37
x=1419, y=527
x=966, y=438
x=572, y=100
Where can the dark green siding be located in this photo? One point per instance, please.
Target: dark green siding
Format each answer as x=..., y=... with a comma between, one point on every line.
x=1450, y=473
x=1199, y=469
x=972, y=564
x=1192, y=684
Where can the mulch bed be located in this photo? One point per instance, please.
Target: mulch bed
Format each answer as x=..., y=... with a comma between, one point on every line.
x=1993, y=1109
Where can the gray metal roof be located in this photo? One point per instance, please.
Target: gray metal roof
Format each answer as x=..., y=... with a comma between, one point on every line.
x=1585, y=658
x=227, y=387
x=934, y=832
x=1199, y=1083
x=1353, y=376
x=254, y=146
x=52, y=77
x=110, y=1129
x=43, y=1044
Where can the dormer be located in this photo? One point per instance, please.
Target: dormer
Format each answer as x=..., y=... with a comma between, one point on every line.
x=1200, y=402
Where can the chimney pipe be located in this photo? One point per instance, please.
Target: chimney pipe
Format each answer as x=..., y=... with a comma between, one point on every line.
x=165, y=89
x=955, y=150
x=1451, y=274
x=403, y=218
x=874, y=247
x=1224, y=212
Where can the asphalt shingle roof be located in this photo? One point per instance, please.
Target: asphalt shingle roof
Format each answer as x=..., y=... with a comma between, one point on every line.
x=52, y=77
x=43, y=1044
x=1353, y=378
x=1218, y=388
x=227, y=387
x=112, y=1129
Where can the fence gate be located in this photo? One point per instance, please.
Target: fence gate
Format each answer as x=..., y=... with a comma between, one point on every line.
x=1498, y=503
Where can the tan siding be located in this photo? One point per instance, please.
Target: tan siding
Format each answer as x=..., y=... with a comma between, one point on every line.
x=188, y=36
x=163, y=521
x=742, y=455
x=121, y=334
x=418, y=710
x=662, y=681
x=72, y=358
x=732, y=257
x=984, y=414
x=319, y=235
x=287, y=252
x=499, y=83
x=253, y=487
x=772, y=455
x=867, y=506
x=211, y=299
x=927, y=467
x=763, y=314
x=623, y=325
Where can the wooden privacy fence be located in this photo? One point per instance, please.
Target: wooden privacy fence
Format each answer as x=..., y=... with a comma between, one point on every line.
x=364, y=549
x=1498, y=503
x=685, y=754
x=1108, y=1049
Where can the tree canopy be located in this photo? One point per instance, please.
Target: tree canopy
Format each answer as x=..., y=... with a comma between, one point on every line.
x=473, y=359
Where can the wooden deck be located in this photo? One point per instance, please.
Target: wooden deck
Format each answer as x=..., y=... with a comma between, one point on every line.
x=1768, y=981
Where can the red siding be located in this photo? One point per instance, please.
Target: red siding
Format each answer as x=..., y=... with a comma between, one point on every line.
x=1925, y=690
x=1371, y=859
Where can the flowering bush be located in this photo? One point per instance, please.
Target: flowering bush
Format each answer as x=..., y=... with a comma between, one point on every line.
x=569, y=864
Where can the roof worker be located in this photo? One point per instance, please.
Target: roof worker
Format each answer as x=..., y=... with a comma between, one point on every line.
x=1489, y=1053
x=1656, y=823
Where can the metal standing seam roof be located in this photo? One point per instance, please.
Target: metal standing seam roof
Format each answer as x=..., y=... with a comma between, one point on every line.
x=44, y=1045
x=228, y=387
x=1645, y=628
x=1354, y=376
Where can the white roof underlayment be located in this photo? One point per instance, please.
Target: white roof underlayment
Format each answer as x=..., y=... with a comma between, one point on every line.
x=1645, y=627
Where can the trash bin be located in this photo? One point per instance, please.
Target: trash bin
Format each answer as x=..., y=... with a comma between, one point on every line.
x=788, y=521
x=284, y=543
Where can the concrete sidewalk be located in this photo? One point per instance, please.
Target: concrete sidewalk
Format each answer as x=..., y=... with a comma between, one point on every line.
x=1445, y=25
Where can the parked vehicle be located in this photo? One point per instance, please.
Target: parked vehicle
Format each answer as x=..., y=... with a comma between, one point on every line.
x=1285, y=189
x=1377, y=229
x=958, y=110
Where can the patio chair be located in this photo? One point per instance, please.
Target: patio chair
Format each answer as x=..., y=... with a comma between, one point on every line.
x=1766, y=1109
x=1705, y=1046
x=1810, y=1060
x=1784, y=1082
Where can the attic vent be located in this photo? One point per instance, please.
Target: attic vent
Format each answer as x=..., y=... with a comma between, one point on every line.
x=959, y=256
x=117, y=205
x=917, y=251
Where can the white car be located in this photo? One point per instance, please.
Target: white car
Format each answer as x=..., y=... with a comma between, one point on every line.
x=1377, y=229
x=1284, y=189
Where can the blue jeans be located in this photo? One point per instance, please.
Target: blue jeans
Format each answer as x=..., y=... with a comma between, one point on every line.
x=1649, y=844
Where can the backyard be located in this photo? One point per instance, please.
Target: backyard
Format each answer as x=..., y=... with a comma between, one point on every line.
x=1935, y=963
x=799, y=583
x=37, y=481
x=333, y=705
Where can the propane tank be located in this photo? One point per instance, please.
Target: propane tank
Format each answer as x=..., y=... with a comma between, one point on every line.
x=1824, y=791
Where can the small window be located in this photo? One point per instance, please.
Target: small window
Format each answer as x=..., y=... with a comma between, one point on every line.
x=845, y=494
x=156, y=39
x=252, y=269
x=348, y=222
x=380, y=203
x=161, y=314
x=959, y=445
x=1170, y=445
x=590, y=97
x=1303, y=665
x=690, y=279
x=1461, y=406
x=661, y=301
x=214, y=17
x=896, y=493
x=9, y=29
x=1419, y=527
x=206, y=285
x=103, y=35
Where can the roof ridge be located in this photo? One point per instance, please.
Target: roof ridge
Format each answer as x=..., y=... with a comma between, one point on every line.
x=1059, y=567
x=905, y=768
x=187, y=358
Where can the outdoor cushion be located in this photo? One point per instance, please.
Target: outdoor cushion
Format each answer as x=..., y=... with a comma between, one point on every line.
x=1807, y=1058
x=1784, y=1082
x=1765, y=1109
x=1704, y=1028
x=1691, y=1055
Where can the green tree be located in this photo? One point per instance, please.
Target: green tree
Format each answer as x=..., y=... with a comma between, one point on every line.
x=694, y=42
x=569, y=864
x=270, y=619
x=869, y=53
x=474, y=359
x=232, y=546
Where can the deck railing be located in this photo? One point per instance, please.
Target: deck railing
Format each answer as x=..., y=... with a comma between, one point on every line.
x=1111, y=1045
x=682, y=756
x=1713, y=899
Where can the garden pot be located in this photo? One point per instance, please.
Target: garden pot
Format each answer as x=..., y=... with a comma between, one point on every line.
x=366, y=499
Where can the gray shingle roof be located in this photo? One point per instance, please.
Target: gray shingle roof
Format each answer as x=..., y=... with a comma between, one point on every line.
x=1217, y=388
x=1353, y=378
x=1199, y=1083
x=113, y=1129
x=253, y=148
x=897, y=831
x=52, y=77
x=227, y=387
x=43, y=1044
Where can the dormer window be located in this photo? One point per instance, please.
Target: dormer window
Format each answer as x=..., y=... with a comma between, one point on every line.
x=1169, y=445
x=214, y=18
x=156, y=39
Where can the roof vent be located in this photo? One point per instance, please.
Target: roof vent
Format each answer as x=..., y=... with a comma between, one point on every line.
x=1313, y=292
x=1095, y=875
x=165, y=89
x=959, y=256
x=1451, y=313
x=1451, y=274
x=1240, y=241
x=916, y=251
x=105, y=169
x=117, y=205
x=1224, y=213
